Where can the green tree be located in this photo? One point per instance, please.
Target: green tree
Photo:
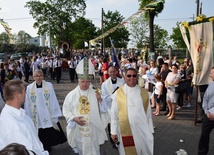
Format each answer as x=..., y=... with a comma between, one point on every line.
x=161, y=37
x=153, y=9
x=121, y=35
x=25, y=48
x=139, y=30
x=7, y=49
x=83, y=30
x=56, y=15
x=22, y=38
x=4, y=38
x=177, y=38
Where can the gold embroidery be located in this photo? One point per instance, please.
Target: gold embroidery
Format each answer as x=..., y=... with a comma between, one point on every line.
x=84, y=105
x=200, y=47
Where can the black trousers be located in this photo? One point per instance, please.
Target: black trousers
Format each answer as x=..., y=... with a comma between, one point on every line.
x=164, y=98
x=51, y=73
x=207, y=127
x=50, y=137
x=58, y=73
x=72, y=74
x=180, y=100
x=27, y=74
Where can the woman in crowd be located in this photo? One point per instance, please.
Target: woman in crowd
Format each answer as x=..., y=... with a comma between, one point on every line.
x=182, y=95
x=19, y=68
x=153, y=70
x=142, y=78
x=100, y=73
x=105, y=69
x=158, y=94
x=171, y=81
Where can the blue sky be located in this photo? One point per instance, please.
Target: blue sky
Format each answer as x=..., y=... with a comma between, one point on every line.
x=18, y=17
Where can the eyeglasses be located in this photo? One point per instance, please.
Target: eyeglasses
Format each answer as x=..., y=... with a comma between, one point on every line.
x=38, y=76
x=129, y=75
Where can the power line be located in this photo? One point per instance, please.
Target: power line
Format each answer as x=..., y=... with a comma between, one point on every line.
x=115, y=3
x=173, y=18
x=24, y=18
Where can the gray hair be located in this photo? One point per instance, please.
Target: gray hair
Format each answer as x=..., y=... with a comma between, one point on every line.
x=38, y=71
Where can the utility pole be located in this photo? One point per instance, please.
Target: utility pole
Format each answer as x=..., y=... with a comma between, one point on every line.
x=201, y=8
x=49, y=36
x=198, y=7
x=102, y=27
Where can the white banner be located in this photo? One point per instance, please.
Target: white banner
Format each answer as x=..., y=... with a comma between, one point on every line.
x=201, y=50
x=184, y=35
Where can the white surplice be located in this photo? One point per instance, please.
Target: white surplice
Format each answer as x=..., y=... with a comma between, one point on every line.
x=107, y=89
x=80, y=144
x=44, y=118
x=141, y=123
x=17, y=127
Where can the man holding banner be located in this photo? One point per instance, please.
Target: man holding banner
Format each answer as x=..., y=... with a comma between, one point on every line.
x=131, y=118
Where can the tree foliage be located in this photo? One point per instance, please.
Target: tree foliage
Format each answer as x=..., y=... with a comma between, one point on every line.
x=25, y=48
x=177, y=38
x=160, y=37
x=58, y=14
x=121, y=35
x=139, y=30
x=22, y=38
x=4, y=38
x=84, y=30
x=8, y=48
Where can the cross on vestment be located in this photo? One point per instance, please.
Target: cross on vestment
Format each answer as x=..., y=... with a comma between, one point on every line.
x=45, y=121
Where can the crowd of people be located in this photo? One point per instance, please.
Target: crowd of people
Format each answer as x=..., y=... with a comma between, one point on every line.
x=123, y=106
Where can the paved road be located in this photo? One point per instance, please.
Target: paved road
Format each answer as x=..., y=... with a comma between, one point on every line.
x=168, y=133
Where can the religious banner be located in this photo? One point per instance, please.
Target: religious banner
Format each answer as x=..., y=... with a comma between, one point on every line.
x=201, y=48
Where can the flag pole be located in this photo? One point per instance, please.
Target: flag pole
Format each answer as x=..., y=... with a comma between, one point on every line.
x=114, y=56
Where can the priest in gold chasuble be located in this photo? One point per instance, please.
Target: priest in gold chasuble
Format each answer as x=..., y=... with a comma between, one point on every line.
x=131, y=118
x=82, y=108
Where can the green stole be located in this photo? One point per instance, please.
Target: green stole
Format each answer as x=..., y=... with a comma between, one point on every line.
x=125, y=129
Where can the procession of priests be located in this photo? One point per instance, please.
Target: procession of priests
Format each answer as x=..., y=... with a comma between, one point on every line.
x=125, y=108
x=83, y=107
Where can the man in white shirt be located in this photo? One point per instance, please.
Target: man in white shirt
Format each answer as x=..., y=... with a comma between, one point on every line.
x=16, y=126
x=57, y=68
x=72, y=65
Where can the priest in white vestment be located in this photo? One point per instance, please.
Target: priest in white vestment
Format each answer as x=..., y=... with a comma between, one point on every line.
x=110, y=85
x=108, y=88
x=131, y=119
x=43, y=108
x=82, y=108
x=16, y=126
